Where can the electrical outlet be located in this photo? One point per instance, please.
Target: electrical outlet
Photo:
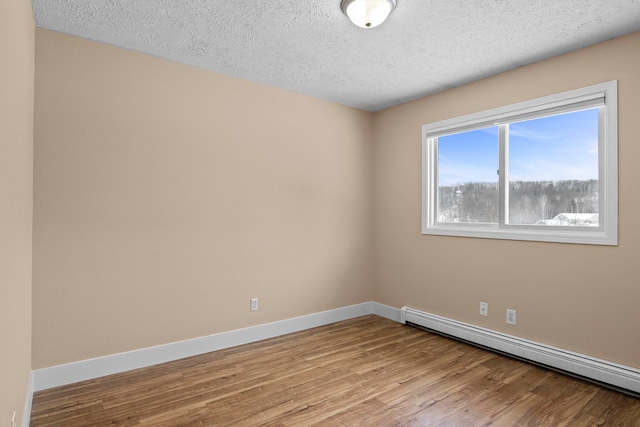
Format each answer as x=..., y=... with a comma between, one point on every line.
x=254, y=304
x=484, y=309
x=511, y=316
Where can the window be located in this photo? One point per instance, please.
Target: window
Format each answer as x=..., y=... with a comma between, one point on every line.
x=543, y=170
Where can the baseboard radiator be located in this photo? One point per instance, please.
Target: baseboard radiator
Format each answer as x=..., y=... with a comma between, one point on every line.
x=623, y=378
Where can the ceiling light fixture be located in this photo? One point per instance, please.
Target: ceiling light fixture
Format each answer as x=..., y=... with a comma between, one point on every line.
x=367, y=13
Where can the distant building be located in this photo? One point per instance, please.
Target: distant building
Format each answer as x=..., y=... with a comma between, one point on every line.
x=572, y=219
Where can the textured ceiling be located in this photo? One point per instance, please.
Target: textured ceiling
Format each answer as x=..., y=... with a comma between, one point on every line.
x=310, y=47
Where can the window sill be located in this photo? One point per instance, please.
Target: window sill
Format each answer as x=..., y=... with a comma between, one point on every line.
x=569, y=235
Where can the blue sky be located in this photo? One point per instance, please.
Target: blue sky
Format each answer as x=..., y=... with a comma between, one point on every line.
x=547, y=149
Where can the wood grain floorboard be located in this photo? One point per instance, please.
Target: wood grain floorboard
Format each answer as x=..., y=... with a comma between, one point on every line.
x=367, y=371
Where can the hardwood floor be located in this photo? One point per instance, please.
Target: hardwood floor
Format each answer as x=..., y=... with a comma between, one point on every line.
x=367, y=371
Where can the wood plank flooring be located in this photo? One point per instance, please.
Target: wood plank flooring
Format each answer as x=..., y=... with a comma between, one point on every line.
x=367, y=371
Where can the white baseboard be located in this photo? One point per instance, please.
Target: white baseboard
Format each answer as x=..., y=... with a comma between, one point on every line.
x=98, y=367
x=386, y=311
x=26, y=414
x=603, y=371
x=582, y=365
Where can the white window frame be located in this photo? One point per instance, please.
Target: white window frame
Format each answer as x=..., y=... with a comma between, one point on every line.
x=603, y=95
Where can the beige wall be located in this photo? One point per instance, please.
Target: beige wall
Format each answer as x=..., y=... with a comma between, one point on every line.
x=581, y=298
x=167, y=196
x=16, y=179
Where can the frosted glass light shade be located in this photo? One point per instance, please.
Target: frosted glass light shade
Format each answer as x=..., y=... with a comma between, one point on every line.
x=367, y=13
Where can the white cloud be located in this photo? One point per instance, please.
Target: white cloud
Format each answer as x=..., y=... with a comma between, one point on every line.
x=541, y=169
x=451, y=173
x=532, y=135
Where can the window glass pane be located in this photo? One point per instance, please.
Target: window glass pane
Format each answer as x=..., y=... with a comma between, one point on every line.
x=467, y=177
x=553, y=170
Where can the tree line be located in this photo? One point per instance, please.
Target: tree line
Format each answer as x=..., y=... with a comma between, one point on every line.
x=529, y=201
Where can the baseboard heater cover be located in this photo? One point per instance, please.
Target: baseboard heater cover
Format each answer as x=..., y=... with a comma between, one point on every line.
x=623, y=377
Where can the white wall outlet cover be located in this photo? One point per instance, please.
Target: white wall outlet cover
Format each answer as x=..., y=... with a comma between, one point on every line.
x=484, y=309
